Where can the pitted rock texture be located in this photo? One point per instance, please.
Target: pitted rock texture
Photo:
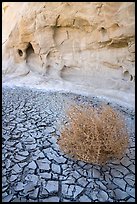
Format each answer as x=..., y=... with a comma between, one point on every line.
x=85, y=47
x=34, y=169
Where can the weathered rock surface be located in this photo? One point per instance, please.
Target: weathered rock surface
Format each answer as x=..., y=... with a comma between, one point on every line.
x=86, y=47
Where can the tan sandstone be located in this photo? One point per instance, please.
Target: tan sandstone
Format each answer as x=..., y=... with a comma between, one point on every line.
x=83, y=47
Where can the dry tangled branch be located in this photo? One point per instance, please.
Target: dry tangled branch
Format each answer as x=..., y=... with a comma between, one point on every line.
x=94, y=135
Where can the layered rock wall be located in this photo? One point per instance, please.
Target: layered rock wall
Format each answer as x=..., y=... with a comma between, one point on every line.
x=86, y=47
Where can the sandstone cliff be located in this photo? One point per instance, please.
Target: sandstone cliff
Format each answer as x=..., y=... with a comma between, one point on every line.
x=86, y=47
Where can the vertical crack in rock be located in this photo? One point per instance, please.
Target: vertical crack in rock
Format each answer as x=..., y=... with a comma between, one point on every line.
x=55, y=28
x=74, y=22
x=99, y=7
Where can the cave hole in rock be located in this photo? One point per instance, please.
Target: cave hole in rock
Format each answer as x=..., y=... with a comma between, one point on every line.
x=20, y=52
x=65, y=67
x=116, y=25
x=29, y=50
x=103, y=30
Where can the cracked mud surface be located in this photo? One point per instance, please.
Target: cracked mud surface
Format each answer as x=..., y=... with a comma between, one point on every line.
x=34, y=169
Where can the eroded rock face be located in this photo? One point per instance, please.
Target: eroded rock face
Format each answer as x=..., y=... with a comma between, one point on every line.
x=86, y=47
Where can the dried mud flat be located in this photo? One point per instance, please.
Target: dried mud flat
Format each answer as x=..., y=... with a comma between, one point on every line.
x=34, y=169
